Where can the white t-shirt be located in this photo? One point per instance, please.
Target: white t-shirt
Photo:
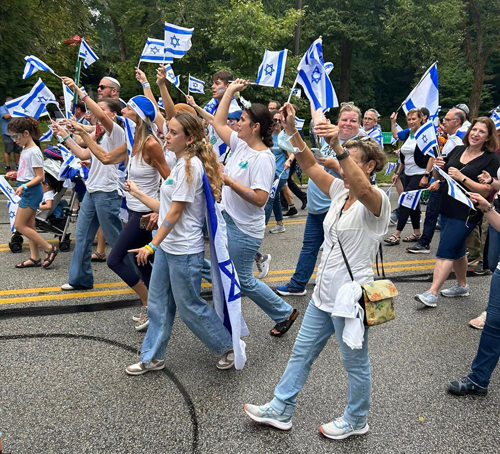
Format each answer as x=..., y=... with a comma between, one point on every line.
x=452, y=142
x=255, y=170
x=49, y=195
x=186, y=237
x=103, y=177
x=408, y=150
x=30, y=159
x=360, y=232
x=147, y=179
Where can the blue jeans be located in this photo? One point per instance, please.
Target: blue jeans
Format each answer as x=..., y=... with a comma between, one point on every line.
x=242, y=250
x=317, y=327
x=176, y=284
x=489, y=345
x=275, y=203
x=431, y=218
x=313, y=239
x=493, y=249
x=97, y=209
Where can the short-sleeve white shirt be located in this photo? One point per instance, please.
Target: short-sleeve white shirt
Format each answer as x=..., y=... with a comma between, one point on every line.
x=30, y=159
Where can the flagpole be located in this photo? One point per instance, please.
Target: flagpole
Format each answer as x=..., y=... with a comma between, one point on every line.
x=293, y=88
x=189, y=81
x=420, y=81
x=77, y=80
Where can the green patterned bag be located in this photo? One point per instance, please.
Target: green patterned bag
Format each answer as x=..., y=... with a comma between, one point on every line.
x=378, y=302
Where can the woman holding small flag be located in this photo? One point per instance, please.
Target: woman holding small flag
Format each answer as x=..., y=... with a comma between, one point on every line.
x=248, y=178
x=464, y=164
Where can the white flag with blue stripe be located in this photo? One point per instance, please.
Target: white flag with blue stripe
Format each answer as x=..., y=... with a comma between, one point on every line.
x=274, y=187
x=171, y=77
x=426, y=139
x=495, y=116
x=426, y=93
x=299, y=124
x=34, y=103
x=47, y=137
x=129, y=127
x=455, y=190
x=196, y=85
x=390, y=168
x=87, y=54
x=410, y=199
x=395, y=139
x=226, y=289
x=376, y=134
x=68, y=100
x=6, y=188
x=12, y=207
x=328, y=67
x=272, y=68
x=154, y=52
x=34, y=64
x=314, y=78
x=177, y=40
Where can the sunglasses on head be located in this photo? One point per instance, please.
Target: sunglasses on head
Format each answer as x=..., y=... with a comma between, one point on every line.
x=350, y=103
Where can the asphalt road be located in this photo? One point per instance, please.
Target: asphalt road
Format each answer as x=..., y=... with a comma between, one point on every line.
x=63, y=388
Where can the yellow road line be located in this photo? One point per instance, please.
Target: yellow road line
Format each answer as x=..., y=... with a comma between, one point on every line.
x=56, y=289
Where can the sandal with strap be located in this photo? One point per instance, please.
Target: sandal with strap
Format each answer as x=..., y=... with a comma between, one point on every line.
x=393, y=240
x=50, y=256
x=413, y=238
x=284, y=326
x=34, y=263
x=98, y=257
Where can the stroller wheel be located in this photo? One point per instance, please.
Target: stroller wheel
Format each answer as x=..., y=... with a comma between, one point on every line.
x=64, y=246
x=16, y=247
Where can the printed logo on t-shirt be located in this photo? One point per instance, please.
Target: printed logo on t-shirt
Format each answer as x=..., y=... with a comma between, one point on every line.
x=169, y=181
x=213, y=139
x=243, y=164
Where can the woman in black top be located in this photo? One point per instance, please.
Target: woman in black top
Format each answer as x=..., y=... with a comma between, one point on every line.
x=464, y=164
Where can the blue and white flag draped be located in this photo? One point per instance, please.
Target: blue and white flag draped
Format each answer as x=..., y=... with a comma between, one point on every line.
x=171, y=77
x=33, y=104
x=6, y=188
x=410, y=199
x=274, y=187
x=196, y=85
x=12, y=207
x=226, y=289
x=395, y=139
x=272, y=68
x=87, y=54
x=299, y=124
x=390, y=168
x=455, y=190
x=68, y=99
x=314, y=78
x=328, y=67
x=129, y=127
x=212, y=106
x=177, y=40
x=47, y=137
x=34, y=64
x=154, y=52
x=376, y=134
x=70, y=167
x=425, y=94
x=426, y=139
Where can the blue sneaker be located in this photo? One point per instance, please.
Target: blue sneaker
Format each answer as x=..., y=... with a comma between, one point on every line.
x=340, y=429
x=466, y=387
x=285, y=290
x=427, y=298
x=456, y=290
x=266, y=414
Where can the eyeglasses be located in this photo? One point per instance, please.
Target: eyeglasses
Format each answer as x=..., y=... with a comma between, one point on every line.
x=16, y=136
x=449, y=119
x=350, y=103
x=102, y=87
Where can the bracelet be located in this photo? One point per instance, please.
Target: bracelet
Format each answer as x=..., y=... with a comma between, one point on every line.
x=149, y=248
x=227, y=96
x=66, y=138
x=152, y=246
x=146, y=85
x=488, y=209
x=491, y=181
x=84, y=97
x=25, y=186
x=343, y=155
x=463, y=181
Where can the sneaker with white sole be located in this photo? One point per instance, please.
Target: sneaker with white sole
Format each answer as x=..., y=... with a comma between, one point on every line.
x=263, y=266
x=143, y=321
x=141, y=368
x=67, y=287
x=285, y=290
x=478, y=322
x=340, y=429
x=278, y=228
x=427, y=298
x=456, y=290
x=265, y=414
x=227, y=361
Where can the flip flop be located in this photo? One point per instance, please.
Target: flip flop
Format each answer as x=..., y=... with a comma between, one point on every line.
x=34, y=263
x=98, y=257
x=50, y=256
x=284, y=326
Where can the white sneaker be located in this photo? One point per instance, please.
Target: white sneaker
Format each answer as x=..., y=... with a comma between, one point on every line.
x=478, y=322
x=227, y=361
x=141, y=368
x=263, y=266
x=340, y=429
x=278, y=228
x=67, y=287
x=456, y=290
x=265, y=414
x=143, y=322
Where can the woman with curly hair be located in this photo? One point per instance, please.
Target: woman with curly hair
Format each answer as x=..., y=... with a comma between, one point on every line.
x=179, y=247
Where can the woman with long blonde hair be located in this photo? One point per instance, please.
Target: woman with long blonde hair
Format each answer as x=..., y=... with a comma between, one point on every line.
x=179, y=247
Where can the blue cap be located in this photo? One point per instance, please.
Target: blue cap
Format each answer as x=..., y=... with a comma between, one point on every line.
x=143, y=107
x=235, y=115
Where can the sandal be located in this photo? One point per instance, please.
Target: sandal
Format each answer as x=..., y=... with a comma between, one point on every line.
x=98, y=257
x=393, y=240
x=34, y=263
x=413, y=238
x=50, y=256
x=284, y=326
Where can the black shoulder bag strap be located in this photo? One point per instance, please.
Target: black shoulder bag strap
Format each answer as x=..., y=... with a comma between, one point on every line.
x=340, y=244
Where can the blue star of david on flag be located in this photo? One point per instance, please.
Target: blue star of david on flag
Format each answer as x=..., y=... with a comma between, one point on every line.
x=155, y=50
x=272, y=69
x=316, y=75
x=177, y=40
x=196, y=85
x=42, y=99
x=227, y=268
x=174, y=41
x=269, y=70
x=87, y=54
x=426, y=139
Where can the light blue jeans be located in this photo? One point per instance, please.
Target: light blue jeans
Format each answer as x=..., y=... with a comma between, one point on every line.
x=317, y=327
x=242, y=250
x=97, y=209
x=176, y=284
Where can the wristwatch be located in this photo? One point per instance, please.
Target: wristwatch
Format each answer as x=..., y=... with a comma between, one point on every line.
x=427, y=174
x=343, y=155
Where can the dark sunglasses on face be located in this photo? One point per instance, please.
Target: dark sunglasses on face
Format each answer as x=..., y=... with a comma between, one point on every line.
x=103, y=87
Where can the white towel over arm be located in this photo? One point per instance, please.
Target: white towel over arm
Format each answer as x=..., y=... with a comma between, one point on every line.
x=347, y=306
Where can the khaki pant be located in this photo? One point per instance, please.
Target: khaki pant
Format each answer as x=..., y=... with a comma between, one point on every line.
x=477, y=239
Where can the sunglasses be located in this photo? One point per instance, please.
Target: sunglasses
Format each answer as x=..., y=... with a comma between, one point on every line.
x=102, y=87
x=276, y=120
x=350, y=103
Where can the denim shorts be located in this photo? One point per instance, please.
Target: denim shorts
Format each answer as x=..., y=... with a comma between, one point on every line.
x=31, y=197
x=454, y=233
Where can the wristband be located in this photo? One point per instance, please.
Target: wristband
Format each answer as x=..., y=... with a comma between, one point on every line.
x=343, y=155
x=463, y=181
x=491, y=181
x=84, y=97
x=148, y=247
x=66, y=138
x=152, y=246
x=146, y=85
x=25, y=186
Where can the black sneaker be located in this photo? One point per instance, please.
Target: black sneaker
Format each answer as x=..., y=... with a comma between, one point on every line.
x=477, y=268
x=418, y=249
x=466, y=387
x=291, y=213
x=304, y=204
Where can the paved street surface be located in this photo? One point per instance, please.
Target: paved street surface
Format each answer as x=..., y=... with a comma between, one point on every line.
x=63, y=387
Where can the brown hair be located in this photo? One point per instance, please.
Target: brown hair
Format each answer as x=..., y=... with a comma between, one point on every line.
x=492, y=143
x=351, y=108
x=419, y=113
x=370, y=150
x=113, y=104
x=192, y=127
x=258, y=113
x=223, y=75
x=21, y=124
x=184, y=108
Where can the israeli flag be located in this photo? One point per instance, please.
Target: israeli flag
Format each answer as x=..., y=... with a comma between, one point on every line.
x=390, y=168
x=68, y=100
x=376, y=134
x=171, y=77
x=328, y=67
x=314, y=79
x=426, y=139
x=455, y=190
x=6, y=188
x=47, y=137
x=177, y=40
x=129, y=127
x=196, y=85
x=87, y=54
x=226, y=289
x=299, y=124
x=70, y=166
x=426, y=93
x=495, y=116
x=395, y=139
x=212, y=106
x=12, y=207
x=154, y=52
x=34, y=64
x=272, y=68
x=388, y=192
x=410, y=199
x=34, y=103
x=274, y=187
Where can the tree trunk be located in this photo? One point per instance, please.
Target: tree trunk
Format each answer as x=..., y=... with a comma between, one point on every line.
x=477, y=88
x=345, y=70
x=120, y=38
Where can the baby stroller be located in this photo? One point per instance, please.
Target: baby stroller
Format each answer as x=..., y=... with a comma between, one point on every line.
x=46, y=221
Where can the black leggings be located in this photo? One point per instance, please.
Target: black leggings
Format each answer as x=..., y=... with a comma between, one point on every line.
x=131, y=237
x=301, y=195
x=411, y=183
